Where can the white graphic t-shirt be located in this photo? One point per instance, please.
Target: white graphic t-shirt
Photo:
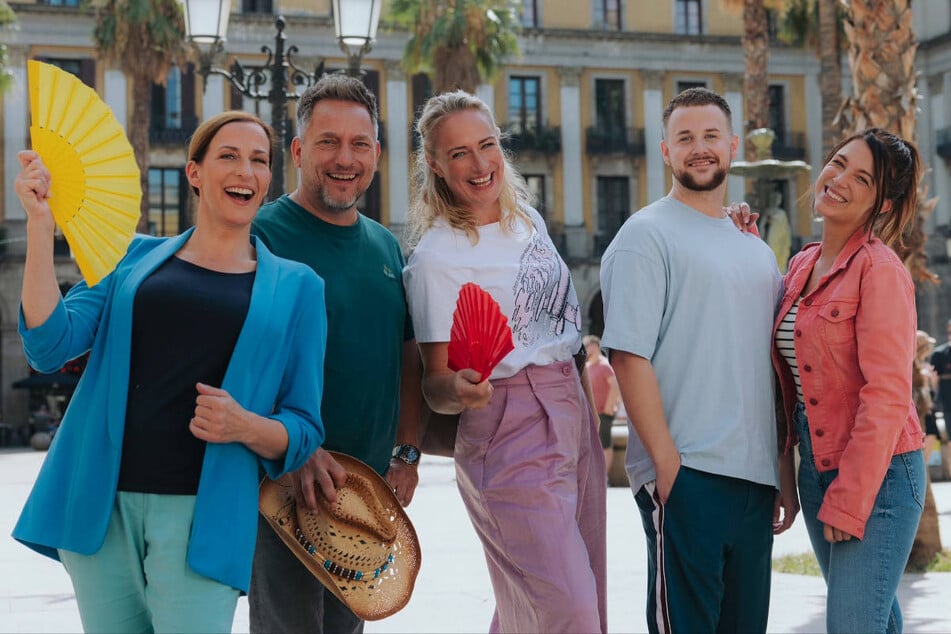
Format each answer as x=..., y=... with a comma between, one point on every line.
x=520, y=269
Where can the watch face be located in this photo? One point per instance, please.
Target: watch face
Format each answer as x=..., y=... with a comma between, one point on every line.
x=407, y=453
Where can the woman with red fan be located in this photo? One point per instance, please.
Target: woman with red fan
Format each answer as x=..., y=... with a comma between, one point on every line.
x=498, y=320
x=206, y=366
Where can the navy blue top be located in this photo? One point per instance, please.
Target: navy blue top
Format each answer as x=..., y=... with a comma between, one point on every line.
x=185, y=323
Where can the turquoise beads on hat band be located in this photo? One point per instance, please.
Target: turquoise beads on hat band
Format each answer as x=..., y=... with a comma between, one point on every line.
x=338, y=570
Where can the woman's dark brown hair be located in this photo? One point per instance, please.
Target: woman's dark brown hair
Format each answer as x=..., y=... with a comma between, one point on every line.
x=896, y=169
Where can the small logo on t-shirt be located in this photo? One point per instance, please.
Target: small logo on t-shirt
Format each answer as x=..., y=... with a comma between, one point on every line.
x=387, y=272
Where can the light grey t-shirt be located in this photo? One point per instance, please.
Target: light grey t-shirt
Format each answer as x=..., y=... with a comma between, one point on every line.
x=697, y=298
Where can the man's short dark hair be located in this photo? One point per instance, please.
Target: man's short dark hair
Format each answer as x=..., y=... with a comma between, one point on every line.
x=338, y=87
x=698, y=97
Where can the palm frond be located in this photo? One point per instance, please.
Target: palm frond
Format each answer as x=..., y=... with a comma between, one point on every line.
x=450, y=34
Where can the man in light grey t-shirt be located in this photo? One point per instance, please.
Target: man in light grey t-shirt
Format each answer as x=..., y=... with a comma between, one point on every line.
x=689, y=305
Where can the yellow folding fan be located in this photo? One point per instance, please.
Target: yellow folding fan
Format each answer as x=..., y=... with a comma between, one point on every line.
x=96, y=193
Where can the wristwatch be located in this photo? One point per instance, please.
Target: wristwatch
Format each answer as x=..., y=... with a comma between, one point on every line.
x=407, y=453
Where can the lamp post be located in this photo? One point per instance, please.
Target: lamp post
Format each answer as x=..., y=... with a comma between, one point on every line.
x=276, y=81
x=206, y=26
x=355, y=23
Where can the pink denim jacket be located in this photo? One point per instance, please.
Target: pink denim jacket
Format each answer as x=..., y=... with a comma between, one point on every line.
x=854, y=340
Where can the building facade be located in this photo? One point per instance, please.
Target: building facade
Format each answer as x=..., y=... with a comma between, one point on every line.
x=582, y=106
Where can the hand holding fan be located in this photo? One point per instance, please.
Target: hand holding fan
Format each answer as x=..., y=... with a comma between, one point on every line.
x=480, y=336
x=95, y=192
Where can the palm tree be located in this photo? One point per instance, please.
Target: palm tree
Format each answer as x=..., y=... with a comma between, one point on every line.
x=145, y=38
x=462, y=42
x=830, y=71
x=818, y=24
x=756, y=58
x=881, y=51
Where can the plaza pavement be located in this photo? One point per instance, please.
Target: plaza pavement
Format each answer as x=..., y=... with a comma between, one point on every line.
x=452, y=591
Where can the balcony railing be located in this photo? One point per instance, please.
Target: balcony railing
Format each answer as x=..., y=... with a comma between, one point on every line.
x=540, y=139
x=789, y=146
x=943, y=143
x=161, y=135
x=625, y=141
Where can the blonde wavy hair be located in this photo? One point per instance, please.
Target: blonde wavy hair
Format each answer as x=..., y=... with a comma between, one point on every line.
x=432, y=197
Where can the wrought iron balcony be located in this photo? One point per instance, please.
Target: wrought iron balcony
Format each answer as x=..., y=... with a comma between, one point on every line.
x=161, y=135
x=540, y=139
x=615, y=140
x=789, y=146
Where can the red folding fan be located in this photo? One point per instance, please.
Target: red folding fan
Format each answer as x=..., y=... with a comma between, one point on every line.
x=480, y=336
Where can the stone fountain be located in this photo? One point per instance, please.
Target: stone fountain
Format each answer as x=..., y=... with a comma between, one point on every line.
x=775, y=221
x=765, y=168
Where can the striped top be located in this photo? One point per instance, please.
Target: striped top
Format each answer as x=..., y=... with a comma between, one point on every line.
x=785, y=344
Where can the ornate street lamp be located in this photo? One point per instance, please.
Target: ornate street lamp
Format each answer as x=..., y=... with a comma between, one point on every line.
x=355, y=22
x=275, y=81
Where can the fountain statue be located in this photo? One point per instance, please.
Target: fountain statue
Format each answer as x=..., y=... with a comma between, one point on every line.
x=762, y=172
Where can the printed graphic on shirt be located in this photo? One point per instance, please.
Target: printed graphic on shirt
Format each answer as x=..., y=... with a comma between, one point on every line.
x=545, y=301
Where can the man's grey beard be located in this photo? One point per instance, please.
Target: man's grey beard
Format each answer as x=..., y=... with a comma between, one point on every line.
x=335, y=205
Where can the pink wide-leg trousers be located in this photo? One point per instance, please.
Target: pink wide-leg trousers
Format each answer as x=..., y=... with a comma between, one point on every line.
x=531, y=473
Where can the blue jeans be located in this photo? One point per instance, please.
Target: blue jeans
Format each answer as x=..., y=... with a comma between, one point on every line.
x=862, y=575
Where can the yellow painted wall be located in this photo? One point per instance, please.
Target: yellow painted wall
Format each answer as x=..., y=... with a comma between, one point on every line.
x=552, y=113
x=586, y=83
x=796, y=94
x=566, y=14
x=659, y=18
x=383, y=167
x=552, y=97
x=719, y=22
x=310, y=7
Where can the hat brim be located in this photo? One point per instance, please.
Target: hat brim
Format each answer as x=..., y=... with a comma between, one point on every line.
x=370, y=600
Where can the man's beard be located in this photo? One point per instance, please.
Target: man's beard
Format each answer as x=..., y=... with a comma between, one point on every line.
x=684, y=178
x=333, y=204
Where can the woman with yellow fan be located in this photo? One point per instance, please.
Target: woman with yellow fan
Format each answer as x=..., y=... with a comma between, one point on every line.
x=205, y=366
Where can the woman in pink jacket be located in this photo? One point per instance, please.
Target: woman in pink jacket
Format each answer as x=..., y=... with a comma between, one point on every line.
x=844, y=344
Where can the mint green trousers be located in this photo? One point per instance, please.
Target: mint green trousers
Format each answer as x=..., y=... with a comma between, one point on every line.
x=139, y=581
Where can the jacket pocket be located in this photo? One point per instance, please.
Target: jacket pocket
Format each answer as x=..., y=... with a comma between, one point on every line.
x=838, y=320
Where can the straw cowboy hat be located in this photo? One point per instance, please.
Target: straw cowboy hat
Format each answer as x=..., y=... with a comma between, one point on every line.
x=363, y=548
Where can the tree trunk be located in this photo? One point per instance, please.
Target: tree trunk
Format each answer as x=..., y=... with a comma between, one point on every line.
x=928, y=539
x=830, y=73
x=455, y=69
x=139, y=125
x=882, y=49
x=756, y=78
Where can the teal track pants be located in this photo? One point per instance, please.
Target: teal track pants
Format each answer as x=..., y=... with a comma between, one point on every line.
x=139, y=581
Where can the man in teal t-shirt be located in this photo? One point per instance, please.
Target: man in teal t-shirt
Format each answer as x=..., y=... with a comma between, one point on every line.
x=371, y=359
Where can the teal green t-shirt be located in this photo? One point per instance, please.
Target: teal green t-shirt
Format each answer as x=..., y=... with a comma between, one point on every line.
x=367, y=322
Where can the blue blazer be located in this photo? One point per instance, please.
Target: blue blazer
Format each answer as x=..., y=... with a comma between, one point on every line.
x=276, y=370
